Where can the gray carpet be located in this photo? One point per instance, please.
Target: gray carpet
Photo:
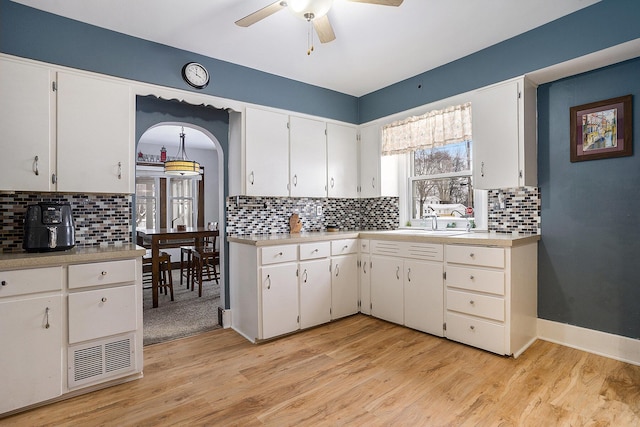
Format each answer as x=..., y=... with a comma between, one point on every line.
x=186, y=315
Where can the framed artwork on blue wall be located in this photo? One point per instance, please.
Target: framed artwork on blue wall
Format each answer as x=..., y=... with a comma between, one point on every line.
x=602, y=129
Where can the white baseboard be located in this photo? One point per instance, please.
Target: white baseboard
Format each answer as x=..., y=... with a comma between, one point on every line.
x=601, y=343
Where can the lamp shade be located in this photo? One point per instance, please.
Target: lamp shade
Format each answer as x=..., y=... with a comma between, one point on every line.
x=182, y=167
x=302, y=8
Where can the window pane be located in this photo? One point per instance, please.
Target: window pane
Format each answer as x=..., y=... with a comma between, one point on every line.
x=447, y=159
x=145, y=203
x=450, y=191
x=182, y=212
x=181, y=187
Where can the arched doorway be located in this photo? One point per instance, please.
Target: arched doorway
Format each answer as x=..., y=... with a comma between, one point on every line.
x=203, y=197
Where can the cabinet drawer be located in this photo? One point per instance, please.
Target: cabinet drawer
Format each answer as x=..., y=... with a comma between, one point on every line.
x=364, y=246
x=475, y=279
x=425, y=251
x=476, y=332
x=315, y=250
x=22, y=282
x=102, y=312
x=276, y=254
x=476, y=255
x=476, y=305
x=102, y=273
x=344, y=246
x=385, y=247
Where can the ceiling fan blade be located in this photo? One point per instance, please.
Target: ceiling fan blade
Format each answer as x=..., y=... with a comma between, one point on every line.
x=261, y=14
x=381, y=2
x=324, y=29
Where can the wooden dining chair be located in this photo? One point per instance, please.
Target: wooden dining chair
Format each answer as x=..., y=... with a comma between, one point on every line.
x=206, y=262
x=165, y=282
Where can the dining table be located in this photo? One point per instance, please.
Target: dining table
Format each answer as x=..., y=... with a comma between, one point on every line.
x=161, y=238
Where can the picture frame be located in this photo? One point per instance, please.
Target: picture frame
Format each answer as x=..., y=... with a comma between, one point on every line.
x=602, y=129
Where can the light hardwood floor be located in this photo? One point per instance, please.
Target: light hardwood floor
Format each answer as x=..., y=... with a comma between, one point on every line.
x=356, y=371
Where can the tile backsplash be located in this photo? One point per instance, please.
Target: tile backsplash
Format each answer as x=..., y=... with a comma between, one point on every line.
x=263, y=215
x=521, y=211
x=99, y=218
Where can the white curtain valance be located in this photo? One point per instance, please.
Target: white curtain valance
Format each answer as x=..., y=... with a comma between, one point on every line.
x=433, y=129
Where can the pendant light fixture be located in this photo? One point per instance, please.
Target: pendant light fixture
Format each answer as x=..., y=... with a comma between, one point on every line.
x=181, y=165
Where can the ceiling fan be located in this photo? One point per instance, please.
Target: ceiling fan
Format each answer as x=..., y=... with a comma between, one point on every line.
x=313, y=11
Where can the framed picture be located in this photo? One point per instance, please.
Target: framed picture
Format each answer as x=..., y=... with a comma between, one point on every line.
x=602, y=129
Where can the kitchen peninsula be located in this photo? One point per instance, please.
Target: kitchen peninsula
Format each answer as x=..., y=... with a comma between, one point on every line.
x=476, y=288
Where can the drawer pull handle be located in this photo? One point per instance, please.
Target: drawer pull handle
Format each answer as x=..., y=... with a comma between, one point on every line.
x=472, y=327
x=104, y=299
x=279, y=253
x=4, y=283
x=345, y=247
x=409, y=274
x=471, y=277
x=306, y=276
x=46, y=317
x=337, y=269
x=398, y=273
x=104, y=273
x=472, y=302
x=472, y=255
x=269, y=280
x=315, y=250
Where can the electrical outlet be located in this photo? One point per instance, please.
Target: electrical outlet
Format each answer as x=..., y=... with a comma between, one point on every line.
x=318, y=210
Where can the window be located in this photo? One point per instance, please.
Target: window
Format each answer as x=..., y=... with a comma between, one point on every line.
x=146, y=202
x=441, y=180
x=182, y=201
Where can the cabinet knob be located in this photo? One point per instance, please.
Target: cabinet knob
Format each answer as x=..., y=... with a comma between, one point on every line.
x=471, y=277
x=104, y=299
x=472, y=302
x=472, y=327
x=472, y=255
x=104, y=273
x=4, y=283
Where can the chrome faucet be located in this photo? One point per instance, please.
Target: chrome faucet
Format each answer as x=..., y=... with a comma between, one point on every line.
x=465, y=216
x=434, y=218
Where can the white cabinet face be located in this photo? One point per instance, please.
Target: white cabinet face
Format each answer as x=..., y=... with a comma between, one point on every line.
x=342, y=161
x=370, y=161
x=279, y=293
x=365, y=284
x=387, y=289
x=495, y=137
x=266, y=153
x=315, y=292
x=26, y=116
x=423, y=296
x=344, y=286
x=95, y=148
x=31, y=351
x=308, y=157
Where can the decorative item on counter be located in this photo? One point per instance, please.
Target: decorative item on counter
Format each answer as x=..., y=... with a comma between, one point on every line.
x=333, y=228
x=163, y=154
x=181, y=227
x=295, y=225
x=140, y=156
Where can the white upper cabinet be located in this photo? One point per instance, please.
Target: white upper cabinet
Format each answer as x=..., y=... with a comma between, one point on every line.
x=308, y=157
x=65, y=131
x=370, y=161
x=95, y=135
x=504, y=135
x=342, y=161
x=266, y=153
x=26, y=126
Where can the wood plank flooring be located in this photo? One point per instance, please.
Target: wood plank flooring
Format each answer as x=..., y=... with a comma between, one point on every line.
x=358, y=371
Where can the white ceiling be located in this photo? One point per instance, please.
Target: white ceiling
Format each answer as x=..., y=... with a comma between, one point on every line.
x=375, y=45
x=169, y=136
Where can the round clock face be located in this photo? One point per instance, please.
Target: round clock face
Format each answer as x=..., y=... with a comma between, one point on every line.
x=195, y=74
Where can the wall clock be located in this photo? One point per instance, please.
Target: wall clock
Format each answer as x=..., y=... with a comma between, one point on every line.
x=195, y=75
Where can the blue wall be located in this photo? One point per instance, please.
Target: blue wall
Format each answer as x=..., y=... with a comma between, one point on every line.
x=590, y=212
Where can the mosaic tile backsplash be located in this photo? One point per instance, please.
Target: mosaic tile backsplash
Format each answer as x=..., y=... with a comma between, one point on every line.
x=265, y=215
x=99, y=218
x=521, y=210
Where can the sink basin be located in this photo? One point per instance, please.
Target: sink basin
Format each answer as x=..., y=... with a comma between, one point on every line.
x=419, y=232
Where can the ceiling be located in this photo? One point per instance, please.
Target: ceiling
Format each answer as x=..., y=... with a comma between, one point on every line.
x=169, y=136
x=375, y=45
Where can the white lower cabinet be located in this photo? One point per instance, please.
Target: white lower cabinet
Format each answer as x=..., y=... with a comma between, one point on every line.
x=315, y=292
x=491, y=297
x=423, y=296
x=279, y=299
x=344, y=286
x=365, y=277
x=387, y=288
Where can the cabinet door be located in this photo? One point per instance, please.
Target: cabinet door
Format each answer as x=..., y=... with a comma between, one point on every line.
x=308, y=161
x=266, y=153
x=31, y=351
x=495, y=137
x=279, y=303
x=315, y=292
x=424, y=296
x=365, y=284
x=342, y=161
x=95, y=147
x=370, y=161
x=26, y=114
x=344, y=286
x=387, y=290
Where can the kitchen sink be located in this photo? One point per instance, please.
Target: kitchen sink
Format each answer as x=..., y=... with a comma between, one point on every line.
x=421, y=232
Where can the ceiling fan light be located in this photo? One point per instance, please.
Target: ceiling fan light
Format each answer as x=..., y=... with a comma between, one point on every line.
x=302, y=8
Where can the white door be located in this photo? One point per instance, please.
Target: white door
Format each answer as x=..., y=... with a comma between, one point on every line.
x=424, y=296
x=95, y=143
x=387, y=290
x=370, y=161
x=342, y=161
x=308, y=161
x=26, y=115
x=315, y=292
x=266, y=153
x=344, y=286
x=31, y=351
x=279, y=292
x=495, y=137
x=365, y=284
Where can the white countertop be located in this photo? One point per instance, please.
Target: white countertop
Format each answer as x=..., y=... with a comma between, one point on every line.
x=472, y=238
x=11, y=261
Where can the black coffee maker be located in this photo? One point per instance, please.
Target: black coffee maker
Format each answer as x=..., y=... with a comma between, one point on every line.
x=48, y=227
